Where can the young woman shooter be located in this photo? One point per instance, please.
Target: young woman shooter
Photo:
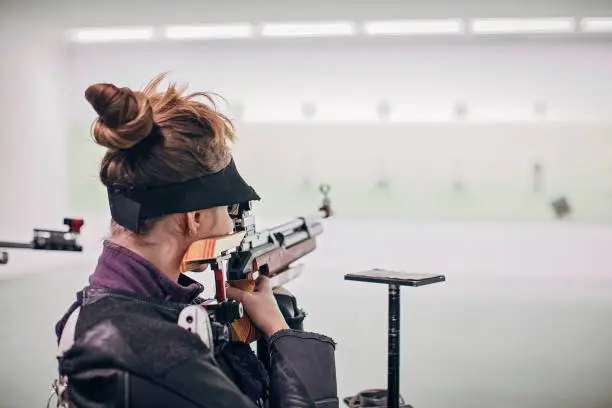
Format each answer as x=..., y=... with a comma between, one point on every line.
x=170, y=179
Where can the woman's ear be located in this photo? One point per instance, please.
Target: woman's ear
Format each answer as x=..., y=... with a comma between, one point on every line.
x=193, y=223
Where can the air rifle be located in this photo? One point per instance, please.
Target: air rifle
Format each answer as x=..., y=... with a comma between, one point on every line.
x=241, y=257
x=49, y=240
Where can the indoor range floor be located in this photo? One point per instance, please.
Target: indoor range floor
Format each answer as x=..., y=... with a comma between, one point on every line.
x=523, y=319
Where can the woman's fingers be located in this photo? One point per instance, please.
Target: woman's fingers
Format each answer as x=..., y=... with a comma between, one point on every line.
x=262, y=283
x=235, y=294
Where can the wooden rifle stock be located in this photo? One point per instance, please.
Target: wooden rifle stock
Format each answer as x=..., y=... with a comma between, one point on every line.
x=272, y=264
x=276, y=261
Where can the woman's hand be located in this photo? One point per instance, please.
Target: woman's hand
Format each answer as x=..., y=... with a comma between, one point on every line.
x=261, y=306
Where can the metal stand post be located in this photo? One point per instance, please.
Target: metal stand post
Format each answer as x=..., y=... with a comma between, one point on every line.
x=393, y=347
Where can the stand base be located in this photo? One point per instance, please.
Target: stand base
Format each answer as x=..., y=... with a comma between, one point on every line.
x=372, y=398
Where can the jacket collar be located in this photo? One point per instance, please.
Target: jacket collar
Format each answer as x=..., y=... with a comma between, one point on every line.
x=123, y=270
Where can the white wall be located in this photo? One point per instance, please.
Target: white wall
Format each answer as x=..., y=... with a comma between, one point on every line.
x=422, y=149
x=498, y=81
x=43, y=81
x=33, y=159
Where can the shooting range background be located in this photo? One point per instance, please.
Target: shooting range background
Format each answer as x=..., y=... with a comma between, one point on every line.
x=427, y=171
x=467, y=123
x=523, y=318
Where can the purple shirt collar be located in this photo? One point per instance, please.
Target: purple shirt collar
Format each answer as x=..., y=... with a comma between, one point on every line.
x=121, y=269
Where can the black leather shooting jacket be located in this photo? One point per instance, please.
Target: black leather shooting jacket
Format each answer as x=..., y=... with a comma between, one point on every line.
x=129, y=352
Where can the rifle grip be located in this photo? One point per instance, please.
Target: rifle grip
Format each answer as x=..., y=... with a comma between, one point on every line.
x=243, y=329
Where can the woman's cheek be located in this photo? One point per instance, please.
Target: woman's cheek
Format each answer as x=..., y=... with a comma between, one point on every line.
x=226, y=224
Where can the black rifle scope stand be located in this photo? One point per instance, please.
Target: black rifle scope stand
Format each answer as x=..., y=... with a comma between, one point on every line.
x=394, y=279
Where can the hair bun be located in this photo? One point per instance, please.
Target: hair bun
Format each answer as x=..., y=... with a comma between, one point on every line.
x=125, y=116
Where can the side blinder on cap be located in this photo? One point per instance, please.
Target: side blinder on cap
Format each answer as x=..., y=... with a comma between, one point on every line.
x=124, y=210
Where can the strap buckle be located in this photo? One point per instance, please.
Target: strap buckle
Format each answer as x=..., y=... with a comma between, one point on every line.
x=59, y=387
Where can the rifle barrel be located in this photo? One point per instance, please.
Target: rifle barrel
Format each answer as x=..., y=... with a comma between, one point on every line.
x=298, y=222
x=15, y=245
x=299, y=236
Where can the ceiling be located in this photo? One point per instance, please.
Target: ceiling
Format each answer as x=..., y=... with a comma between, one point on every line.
x=76, y=13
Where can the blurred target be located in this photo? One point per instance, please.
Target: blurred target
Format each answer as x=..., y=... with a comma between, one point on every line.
x=540, y=109
x=309, y=110
x=460, y=110
x=383, y=110
x=561, y=207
